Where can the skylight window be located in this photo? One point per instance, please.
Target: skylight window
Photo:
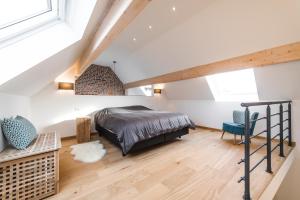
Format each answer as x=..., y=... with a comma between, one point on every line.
x=234, y=86
x=147, y=90
x=19, y=16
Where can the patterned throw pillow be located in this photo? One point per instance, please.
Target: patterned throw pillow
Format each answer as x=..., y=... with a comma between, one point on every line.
x=2, y=139
x=19, y=132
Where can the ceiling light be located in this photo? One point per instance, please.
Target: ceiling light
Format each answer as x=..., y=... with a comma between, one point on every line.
x=174, y=8
x=150, y=27
x=134, y=39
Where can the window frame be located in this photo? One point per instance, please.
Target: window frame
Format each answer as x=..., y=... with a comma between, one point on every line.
x=49, y=9
x=54, y=12
x=223, y=96
x=147, y=90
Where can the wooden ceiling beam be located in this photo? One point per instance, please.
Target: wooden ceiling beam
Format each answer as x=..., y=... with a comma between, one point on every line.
x=107, y=33
x=281, y=54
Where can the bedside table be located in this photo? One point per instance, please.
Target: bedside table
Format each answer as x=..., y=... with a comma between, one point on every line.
x=83, y=129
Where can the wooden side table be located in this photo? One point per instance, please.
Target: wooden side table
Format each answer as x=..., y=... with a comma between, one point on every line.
x=83, y=129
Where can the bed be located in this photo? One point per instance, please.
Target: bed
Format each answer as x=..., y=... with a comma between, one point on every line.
x=133, y=128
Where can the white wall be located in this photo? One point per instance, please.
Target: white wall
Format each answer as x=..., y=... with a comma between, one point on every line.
x=54, y=110
x=12, y=105
x=205, y=112
x=212, y=114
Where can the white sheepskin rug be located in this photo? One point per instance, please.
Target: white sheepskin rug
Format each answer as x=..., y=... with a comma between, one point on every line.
x=88, y=152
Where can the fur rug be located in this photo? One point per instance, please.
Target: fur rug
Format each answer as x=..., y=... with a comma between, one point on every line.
x=89, y=152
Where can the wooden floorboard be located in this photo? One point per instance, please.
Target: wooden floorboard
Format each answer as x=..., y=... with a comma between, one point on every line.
x=198, y=166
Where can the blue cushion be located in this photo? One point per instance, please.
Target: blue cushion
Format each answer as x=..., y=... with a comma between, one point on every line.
x=238, y=117
x=234, y=128
x=3, y=142
x=19, y=132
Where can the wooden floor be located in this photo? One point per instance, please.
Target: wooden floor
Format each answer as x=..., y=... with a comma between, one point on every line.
x=198, y=166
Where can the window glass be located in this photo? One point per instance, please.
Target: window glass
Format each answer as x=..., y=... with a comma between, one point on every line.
x=21, y=18
x=234, y=86
x=15, y=11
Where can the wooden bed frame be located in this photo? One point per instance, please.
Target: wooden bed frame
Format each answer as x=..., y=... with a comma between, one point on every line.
x=146, y=143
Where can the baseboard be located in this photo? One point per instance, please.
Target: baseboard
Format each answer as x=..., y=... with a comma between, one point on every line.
x=197, y=126
x=68, y=137
x=208, y=128
x=74, y=136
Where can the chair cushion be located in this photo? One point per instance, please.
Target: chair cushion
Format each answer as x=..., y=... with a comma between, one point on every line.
x=19, y=132
x=238, y=117
x=233, y=128
x=3, y=142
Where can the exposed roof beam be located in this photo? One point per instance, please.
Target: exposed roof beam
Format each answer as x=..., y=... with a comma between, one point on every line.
x=281, y=54
x=118, y=18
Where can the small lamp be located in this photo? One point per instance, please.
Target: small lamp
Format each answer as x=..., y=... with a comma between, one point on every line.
x=65, y=86
x=157, y=91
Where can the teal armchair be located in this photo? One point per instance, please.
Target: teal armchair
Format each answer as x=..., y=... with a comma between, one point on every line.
x=238, y=125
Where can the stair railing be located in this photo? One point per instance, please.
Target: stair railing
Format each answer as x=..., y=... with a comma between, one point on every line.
x=269, y=138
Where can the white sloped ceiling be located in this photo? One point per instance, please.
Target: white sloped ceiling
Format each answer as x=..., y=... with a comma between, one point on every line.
x=204, y=32
x=198, y=32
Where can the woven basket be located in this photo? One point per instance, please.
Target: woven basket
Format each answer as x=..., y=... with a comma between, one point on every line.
x=35, y=175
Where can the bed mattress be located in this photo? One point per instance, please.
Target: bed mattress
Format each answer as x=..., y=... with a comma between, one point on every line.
x=133, y=124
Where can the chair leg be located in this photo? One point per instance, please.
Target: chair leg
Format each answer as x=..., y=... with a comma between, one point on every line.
x=234, y=138
x=222, y=134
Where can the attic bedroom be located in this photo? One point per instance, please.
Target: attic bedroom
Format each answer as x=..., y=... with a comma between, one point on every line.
x=149, y=99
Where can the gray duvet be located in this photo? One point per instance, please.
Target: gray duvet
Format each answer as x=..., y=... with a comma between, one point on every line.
x=133, y=124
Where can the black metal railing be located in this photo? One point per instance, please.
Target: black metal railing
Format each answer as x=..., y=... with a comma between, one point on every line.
x=269, y=138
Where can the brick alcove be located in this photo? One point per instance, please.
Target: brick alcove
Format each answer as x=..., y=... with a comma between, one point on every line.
x=99, y=80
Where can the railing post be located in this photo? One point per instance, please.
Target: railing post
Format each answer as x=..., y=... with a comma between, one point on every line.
x=247, y=156
x=269, y=151
x=281, y=152
x=290, y=123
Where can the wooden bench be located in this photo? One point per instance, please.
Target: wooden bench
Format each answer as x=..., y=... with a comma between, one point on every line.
x=32, y=173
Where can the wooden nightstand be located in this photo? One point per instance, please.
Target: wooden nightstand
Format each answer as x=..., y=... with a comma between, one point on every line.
x=83, y=129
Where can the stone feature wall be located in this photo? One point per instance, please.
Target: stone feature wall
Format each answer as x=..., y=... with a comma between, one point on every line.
x=99, y=80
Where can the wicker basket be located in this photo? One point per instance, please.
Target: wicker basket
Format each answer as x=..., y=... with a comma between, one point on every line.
x=32, y=173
